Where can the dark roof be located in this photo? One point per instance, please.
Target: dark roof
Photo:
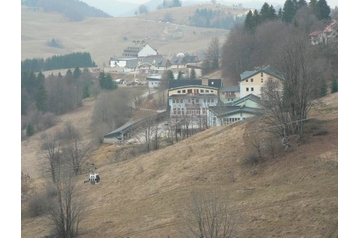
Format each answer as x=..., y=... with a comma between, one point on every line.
x=268, y=69
x=123, y=129
x=178, y=60
x=217, y=83
x=184, y=82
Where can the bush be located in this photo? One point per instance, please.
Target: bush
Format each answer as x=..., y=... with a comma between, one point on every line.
x=38, y=205
x=252, y=160
x=49, y=119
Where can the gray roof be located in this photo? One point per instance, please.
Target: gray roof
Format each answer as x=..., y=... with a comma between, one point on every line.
x=247, y=97
x=222, y=111
x=268, y=69
x=230, y=89
x=132, y=63
x=184, y=82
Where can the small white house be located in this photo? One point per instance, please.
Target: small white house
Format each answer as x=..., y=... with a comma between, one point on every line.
x=153, y=81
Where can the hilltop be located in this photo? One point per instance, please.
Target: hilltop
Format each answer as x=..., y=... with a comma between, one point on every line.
x=293, y=195
x=104, y=38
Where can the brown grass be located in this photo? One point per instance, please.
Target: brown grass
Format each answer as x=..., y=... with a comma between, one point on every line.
x=103, y=37
x=293, y=195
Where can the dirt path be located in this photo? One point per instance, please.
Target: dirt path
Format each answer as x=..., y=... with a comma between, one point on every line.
x=31, y=158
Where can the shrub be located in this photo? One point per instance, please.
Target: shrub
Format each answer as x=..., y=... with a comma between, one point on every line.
x=38, y=205
x=49, y=119
x=252, y=160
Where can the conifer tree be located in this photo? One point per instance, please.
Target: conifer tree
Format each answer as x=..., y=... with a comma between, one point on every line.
x=323, y=10
x=41, y=98
x=192, y=74
x=249, y=22
x=323, y=88
x=77, y=73
x=334, y=86
x=29, y=129
x=288, y=11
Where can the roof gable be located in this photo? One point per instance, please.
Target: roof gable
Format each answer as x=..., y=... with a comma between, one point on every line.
x=268, y=70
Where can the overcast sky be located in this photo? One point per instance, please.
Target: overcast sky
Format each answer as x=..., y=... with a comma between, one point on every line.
x=331, y=3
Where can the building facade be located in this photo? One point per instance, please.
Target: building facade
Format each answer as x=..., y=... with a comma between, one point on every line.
x=189, y=106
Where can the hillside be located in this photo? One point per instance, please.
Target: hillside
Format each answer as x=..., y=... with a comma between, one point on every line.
x=293, y=195
x=104, y=38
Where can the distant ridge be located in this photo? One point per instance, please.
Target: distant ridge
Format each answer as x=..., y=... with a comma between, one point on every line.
x=75, y=10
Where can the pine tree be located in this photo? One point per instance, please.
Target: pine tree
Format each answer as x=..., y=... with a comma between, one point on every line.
x=302, y=3
x=289, y=11
x=265, y=12
x=323, y=88
x=249, y=22
x=77, y=73
x=192, y=74
x=29, y=129
x=180, y=75
x=170, y=75
x=334, y=86
x=41, y=98
x=323, y=10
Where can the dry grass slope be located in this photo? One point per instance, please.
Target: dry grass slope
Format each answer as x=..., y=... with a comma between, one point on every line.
x=104, y=37
x=293, y=195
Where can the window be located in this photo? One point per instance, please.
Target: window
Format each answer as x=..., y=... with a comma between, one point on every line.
x=262, y=80
x=270, y=80
x=262, y=74
x=201, y=90
x=247, y=89
x=184, y=91
x=181, y=100
x=252, y=80
x=178, y=91
x=252, y=89
x=206, y=90
x=190, y=90
x=247, y=80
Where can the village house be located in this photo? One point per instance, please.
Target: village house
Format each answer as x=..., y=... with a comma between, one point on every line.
x=189, y=104
x=243, y=101
x=327, y=36
x=238, y=110
x=251, y=82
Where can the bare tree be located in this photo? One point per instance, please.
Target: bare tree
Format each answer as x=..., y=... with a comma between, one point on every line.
x=67, y=209
x=75, y=149
x=300, y=63
x=113, y=109
x=208, y=215
x=213, y=53
x=51, y=150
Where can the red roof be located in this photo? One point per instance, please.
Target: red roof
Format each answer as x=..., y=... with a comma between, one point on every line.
x=315, y=33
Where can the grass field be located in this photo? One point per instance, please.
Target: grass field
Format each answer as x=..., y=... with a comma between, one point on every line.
x=293, y=195
x=105, y=37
